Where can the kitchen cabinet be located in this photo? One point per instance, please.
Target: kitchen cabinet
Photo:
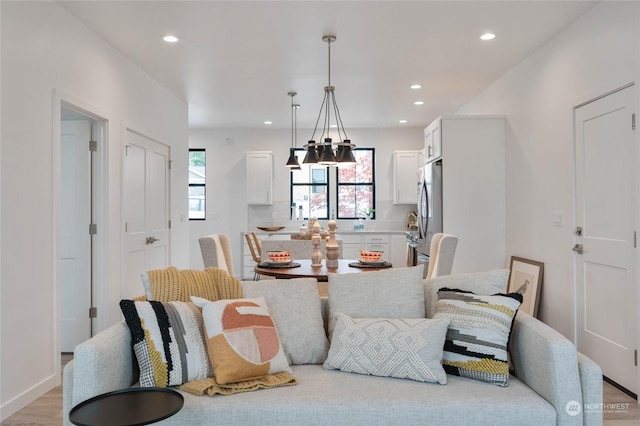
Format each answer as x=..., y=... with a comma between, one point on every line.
x=474, y=189
x=405, y=166
x=247, y=260
x=351, y=245
x=259, y=177
x=393, y=244
x=377, y=242
x=398, y=250
x=433, y=141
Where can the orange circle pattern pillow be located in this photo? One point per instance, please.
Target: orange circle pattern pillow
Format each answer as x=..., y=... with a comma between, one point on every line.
x=242, y=340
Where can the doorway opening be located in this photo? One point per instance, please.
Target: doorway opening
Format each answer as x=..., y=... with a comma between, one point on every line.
x=80, y=213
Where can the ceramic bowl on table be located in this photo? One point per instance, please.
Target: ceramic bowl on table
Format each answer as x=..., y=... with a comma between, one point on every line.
x=280, y=256
x=370, y=256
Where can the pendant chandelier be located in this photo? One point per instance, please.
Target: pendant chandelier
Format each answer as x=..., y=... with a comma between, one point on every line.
x=327, y=152
x=292, y=162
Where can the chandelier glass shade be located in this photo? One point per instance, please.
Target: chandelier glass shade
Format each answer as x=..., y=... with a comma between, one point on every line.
x=292, y=162
x=328, y=152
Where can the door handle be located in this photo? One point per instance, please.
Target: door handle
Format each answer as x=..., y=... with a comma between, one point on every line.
x=577, y=248
x=151, y=240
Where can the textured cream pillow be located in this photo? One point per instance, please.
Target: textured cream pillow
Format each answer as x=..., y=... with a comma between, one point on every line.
x=400, y=348
x=242, y=339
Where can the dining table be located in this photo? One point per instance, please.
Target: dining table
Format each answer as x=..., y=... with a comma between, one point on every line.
x=302, y=268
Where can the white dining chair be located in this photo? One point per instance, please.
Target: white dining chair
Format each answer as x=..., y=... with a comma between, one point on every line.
x=216, y=252
x=441, y=255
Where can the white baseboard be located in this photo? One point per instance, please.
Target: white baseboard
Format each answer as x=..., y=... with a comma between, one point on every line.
x=18, y=402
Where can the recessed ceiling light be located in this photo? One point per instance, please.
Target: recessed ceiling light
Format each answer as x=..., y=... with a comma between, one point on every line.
x=403, y=121
x=416, y=86
x=170, y=39
x=418, y=103
x=268, y=122
x=487, y=36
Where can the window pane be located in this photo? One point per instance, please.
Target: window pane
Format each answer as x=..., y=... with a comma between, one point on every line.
x=312, y=198
x=196, y=202
x=310, y=173
x=354, y=200
x=361, y=172
x=197, y=180
x=197, y=173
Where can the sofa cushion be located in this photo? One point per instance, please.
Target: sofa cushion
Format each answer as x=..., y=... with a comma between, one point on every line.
x=296, y=309
x=388, y=293
x=168, y=342
x=242, y=339
x=400, y=348
x=489, y=282
x=478, y=335
x=331, y=397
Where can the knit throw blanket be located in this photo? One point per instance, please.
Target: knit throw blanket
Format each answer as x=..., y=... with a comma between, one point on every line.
x=210, y=387
x=180, y=284
x=213, y=284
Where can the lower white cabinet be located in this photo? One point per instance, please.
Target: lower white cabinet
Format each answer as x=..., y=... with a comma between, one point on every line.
x=393, y=245
x=351, y=245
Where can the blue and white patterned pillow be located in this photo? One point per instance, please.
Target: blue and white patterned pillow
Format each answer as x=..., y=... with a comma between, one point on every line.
x=478, y=335
x=168, y=340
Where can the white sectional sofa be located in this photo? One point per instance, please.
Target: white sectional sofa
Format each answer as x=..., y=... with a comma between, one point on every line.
x=550, y=384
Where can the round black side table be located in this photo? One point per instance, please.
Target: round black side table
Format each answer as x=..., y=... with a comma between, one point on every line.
x=127, y=407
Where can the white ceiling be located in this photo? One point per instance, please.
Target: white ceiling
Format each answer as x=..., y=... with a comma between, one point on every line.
x=236, y=60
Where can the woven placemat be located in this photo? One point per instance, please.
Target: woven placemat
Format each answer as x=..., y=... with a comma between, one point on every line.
x=359, y=264
x=278, y=265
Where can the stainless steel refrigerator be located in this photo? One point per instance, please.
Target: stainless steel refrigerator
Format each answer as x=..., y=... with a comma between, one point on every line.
x=429, y=207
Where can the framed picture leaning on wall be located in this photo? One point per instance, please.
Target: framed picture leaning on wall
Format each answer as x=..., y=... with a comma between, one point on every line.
x=526, y=278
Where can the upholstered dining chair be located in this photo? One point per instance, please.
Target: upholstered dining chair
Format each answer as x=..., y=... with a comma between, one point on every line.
x=442, y=252
x=216, y=252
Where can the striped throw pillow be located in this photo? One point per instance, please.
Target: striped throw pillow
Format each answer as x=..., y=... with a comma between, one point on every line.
x=168, y=341
x=478, y=335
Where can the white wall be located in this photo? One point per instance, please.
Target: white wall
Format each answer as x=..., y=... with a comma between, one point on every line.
x=227, y=211
x=45, y=49
x=598, y=53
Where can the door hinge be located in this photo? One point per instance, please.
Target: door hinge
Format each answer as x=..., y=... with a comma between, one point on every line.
x=93, y=229
x=633, y=121
x=169, y=224
x=93, y=312
x=635, y=240
x=635, y=358
x=93, y=146
x=170, y=161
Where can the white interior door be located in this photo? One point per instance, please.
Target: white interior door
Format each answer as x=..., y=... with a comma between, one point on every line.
x=75, y=241
x=146, y=210
x=605, y=203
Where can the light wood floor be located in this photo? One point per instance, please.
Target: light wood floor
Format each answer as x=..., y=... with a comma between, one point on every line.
x=47, y=410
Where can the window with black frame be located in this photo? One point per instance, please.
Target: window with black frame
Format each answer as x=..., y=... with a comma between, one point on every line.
x=197, y=184
x=310, y=189
x=356, y=184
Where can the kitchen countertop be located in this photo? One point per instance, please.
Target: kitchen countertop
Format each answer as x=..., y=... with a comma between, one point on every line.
x=290, y=231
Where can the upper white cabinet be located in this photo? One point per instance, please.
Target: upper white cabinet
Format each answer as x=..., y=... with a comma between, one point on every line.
x=259, y=177
x=405, y=177
x=433, y=141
